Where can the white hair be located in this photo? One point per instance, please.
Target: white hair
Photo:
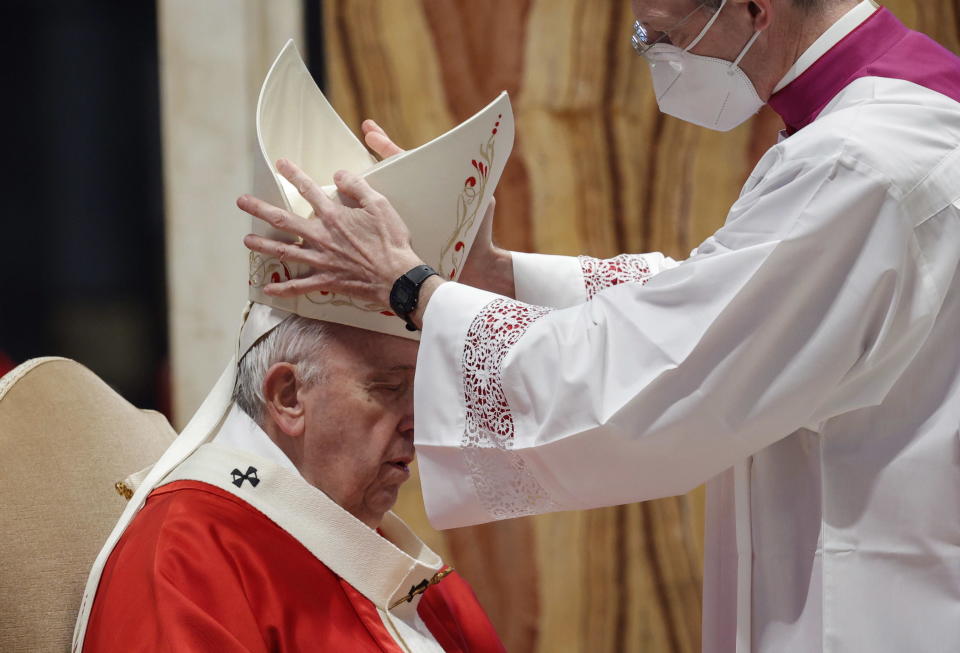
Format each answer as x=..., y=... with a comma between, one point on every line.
x=297, y=340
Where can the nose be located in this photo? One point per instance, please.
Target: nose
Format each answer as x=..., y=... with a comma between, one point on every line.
x=405, y=425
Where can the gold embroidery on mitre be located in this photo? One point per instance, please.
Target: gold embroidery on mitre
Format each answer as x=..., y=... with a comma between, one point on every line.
x=422, y=586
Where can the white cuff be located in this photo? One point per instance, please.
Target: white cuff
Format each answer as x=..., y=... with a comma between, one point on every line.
x=448, y=491
x=547, y=280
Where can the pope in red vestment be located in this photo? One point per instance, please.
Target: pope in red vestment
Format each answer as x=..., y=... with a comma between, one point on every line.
x=201, y=570
x=276, y=534
x=266, y=525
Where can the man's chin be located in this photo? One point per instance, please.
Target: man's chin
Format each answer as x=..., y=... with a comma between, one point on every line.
x=382, y=501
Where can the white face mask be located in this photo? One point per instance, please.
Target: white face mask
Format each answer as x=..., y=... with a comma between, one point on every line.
x=705, y=91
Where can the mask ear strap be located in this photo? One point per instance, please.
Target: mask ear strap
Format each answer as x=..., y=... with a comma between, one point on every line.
x=706, y=28
x=746, y=49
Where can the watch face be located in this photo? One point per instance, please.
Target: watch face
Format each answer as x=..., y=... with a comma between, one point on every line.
x=402, y=296
x=405, y=293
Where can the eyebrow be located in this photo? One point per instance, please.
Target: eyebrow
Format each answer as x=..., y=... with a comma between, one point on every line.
x=379, y=373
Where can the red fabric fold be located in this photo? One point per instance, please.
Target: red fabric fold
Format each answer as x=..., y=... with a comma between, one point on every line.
x=200, y=570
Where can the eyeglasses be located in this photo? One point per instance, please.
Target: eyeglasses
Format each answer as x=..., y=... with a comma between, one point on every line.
x=644, y=39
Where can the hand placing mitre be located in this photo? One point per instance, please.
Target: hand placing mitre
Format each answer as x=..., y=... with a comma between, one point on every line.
x=361, y=250
x=356, y=251
x=488, y=266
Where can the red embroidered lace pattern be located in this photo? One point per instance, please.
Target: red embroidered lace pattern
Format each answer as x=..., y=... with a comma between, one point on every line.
x=505, y=486
x=599, y=274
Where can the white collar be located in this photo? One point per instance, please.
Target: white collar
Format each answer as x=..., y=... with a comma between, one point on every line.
x=384, y=569
x=849, y=22
x=239, y=431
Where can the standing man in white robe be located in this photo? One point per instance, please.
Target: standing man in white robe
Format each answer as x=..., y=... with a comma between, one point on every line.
x=804, y=361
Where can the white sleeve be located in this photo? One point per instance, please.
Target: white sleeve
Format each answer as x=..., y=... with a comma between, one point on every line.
x=563, y=281
x=649, y=390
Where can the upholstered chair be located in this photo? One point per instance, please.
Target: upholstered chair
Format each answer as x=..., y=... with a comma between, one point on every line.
x=66, y=439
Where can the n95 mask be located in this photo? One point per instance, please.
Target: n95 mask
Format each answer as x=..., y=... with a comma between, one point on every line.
x=706, y=91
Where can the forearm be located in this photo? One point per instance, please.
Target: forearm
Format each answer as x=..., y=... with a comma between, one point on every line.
x=499, y=275
x=493, y=274
x=490, y=268
x=553, y=281
x=564, y=281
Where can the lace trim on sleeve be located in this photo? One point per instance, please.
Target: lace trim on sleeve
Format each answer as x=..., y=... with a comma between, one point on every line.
x=599, y=274
x=505, y=486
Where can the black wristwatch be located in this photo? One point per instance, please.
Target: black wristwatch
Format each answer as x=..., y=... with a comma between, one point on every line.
x=405, y=294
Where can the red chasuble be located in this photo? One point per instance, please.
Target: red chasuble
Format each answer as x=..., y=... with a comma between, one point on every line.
x=199, y=569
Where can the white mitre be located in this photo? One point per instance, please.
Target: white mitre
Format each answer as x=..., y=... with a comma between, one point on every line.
x=441, y=189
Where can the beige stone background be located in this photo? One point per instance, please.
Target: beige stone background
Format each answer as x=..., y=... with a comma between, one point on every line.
x=214, y=55
x=596, y=170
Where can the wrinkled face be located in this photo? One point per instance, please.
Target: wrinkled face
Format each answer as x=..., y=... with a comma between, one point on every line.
x=358, y=440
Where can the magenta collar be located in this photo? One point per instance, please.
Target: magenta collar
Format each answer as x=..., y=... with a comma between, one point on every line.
x=881, y=46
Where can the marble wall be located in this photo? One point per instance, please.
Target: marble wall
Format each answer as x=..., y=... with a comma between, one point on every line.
x=213, y=57
x=596, y=170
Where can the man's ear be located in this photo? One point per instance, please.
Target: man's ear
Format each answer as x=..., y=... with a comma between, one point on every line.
x=762, y=13
x=284, y=406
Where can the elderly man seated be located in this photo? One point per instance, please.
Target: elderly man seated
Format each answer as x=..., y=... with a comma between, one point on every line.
x=276, y=535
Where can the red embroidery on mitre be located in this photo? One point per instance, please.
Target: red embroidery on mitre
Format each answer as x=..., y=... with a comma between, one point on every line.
x=599, y=274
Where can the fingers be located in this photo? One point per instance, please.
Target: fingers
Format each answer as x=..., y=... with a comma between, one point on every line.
x=282, y=251
x=307, y=187
x=275, y=217
x=293, y=287
x=369, y=125
x=381, y=144
x=378, y=141
x=357, y=188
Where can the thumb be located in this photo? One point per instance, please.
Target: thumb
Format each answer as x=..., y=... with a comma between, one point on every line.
x=485, y=232
x=378, y=141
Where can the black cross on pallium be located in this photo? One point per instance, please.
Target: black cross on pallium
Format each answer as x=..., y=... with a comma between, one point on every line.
x=251, y=475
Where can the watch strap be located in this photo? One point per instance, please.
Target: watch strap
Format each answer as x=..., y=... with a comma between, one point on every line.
x=405, y=294
x=420, y=274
